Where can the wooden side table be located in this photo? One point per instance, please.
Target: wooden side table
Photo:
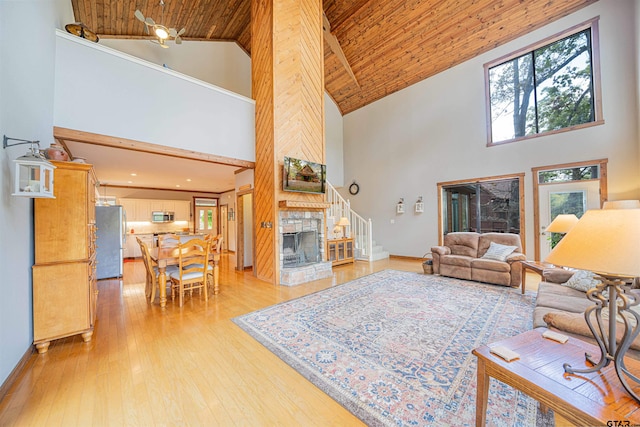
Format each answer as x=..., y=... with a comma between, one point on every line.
x=536, y=267
x=597, y=398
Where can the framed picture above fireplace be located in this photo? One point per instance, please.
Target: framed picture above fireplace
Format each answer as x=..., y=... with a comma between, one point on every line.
x=303, y=176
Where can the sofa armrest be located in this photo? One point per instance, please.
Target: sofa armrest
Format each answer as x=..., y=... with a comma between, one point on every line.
x=441, y=250
x=436, y=253
x=556, y=275
x=516, y=256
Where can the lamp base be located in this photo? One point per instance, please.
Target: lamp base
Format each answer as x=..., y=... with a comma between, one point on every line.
x=616, y=295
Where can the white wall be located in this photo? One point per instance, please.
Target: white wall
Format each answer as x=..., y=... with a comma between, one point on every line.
x=223, y=64
x=104, y=91
x=333, y=136
x=26, y=112
x=435, y=131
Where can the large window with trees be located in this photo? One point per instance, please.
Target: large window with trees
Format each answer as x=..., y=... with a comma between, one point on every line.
x=552, y=86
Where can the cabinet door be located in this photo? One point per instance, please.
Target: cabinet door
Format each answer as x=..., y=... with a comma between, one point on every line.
x=129, y=206
x=349, y=253
x=183, y=210
x=143, y=210
x=332, y=251
x=341, y=250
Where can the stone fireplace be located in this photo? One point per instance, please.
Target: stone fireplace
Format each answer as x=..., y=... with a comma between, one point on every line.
x=302, y=247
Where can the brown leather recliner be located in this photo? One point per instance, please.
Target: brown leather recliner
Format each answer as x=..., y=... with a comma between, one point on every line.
x=461, y=256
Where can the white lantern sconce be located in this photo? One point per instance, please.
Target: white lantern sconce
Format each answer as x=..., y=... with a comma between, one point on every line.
x=400, y=206
x=419, y=205
x=34, y=174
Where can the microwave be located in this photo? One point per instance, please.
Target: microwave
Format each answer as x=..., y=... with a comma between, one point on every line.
x=161, y=216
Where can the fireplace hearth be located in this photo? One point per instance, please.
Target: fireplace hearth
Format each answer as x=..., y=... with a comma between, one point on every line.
x=302, y=242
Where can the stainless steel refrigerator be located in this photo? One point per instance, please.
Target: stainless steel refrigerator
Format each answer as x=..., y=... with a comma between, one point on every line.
x=110, y=239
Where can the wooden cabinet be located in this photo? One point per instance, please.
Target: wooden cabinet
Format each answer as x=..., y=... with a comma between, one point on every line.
x=182, y=210
x=64, y=275
x=340, y=251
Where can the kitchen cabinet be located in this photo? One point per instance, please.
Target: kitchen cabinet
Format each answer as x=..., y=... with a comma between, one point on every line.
x=162, y=205
x=132, y=246
x=64, y=274
x=340, y=251
x=182, y=210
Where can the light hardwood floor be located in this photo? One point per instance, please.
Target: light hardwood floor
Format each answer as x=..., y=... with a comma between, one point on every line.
x=181, y=366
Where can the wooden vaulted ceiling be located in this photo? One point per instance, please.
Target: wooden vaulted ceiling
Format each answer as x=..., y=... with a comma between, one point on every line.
x=390, y=44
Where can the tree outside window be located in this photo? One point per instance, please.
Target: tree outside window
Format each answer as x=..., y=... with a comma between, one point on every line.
x=548, y=88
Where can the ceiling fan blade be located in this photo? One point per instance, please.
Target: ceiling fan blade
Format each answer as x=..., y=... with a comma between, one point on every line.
x=181, y=32
x=173, y=33
x=334, y=44
x=178, y=40
x=150, y=22
x=139, y=15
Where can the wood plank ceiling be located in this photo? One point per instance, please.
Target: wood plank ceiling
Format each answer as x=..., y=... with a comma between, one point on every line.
x=390, y=44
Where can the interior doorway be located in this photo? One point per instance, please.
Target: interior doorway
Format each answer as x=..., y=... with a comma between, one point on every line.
x=571, y=188
x=244, y=233
x=224, y=227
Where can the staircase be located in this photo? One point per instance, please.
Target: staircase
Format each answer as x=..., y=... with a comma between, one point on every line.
x=360, y=229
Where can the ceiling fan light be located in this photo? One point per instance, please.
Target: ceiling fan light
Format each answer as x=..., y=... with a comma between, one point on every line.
x=161, y=32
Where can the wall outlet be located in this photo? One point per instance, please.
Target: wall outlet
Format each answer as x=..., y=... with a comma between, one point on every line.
x=393, y=221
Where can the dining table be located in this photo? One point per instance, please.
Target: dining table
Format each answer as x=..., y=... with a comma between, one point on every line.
x=166, y=256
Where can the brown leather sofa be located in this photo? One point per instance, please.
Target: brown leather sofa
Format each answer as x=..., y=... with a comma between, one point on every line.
x=461, y=256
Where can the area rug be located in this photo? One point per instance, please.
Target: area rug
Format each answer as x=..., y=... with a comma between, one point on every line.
x=394, y=347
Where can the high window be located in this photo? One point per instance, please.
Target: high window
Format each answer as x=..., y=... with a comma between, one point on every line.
x=552, y=86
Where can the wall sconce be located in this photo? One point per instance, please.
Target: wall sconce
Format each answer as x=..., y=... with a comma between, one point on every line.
x=34, y=174
x=400, y=206
x=419, y=205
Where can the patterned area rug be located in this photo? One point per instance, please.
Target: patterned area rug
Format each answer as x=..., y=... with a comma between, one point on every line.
x=394, y=348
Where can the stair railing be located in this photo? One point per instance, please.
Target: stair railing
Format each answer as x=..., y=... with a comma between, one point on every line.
x=360, y=229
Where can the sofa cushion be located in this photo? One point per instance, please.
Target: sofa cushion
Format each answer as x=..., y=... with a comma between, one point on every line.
x=562, y=298
x=508, y=239
x=457, y=260
x=575, y=323
x=462, y=243
x=556, y=275
x=498, y=252
x=489, y=264
x=582, y=280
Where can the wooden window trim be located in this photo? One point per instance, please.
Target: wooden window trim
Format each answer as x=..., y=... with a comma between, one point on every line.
x=595, y=76
x=519, y=176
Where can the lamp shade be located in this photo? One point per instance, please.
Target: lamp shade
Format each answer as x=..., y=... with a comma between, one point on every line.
x=605, y=241
x=344, y=221
x=562, y=223
x=621, y=204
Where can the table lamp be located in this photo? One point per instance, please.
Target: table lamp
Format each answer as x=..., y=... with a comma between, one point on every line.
x=562, y=223
x=606, y=242
x=343, y=222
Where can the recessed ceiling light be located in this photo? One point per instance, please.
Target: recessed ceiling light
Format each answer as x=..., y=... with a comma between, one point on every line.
x=134, y=174
x=188, y=179
x=177, y=185
x=129, y=182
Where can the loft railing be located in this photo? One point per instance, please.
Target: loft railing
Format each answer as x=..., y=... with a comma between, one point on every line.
x=360, y=228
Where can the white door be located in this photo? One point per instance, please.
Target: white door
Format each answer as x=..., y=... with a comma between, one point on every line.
x=206, y=220
x=575, y=197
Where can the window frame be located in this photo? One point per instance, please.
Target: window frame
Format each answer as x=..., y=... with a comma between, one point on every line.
x=519, y=176
x=595, y=73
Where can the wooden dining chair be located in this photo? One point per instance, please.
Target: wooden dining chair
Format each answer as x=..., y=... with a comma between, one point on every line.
x=151, y=283
x=193, y=263
x=168, y=240
x=216, y=248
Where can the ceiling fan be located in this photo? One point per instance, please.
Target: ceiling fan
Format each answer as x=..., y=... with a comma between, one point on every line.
x=159, y=30
x=334, y=44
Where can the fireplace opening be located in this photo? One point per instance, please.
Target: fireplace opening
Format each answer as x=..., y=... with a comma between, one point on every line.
x=299, y=249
